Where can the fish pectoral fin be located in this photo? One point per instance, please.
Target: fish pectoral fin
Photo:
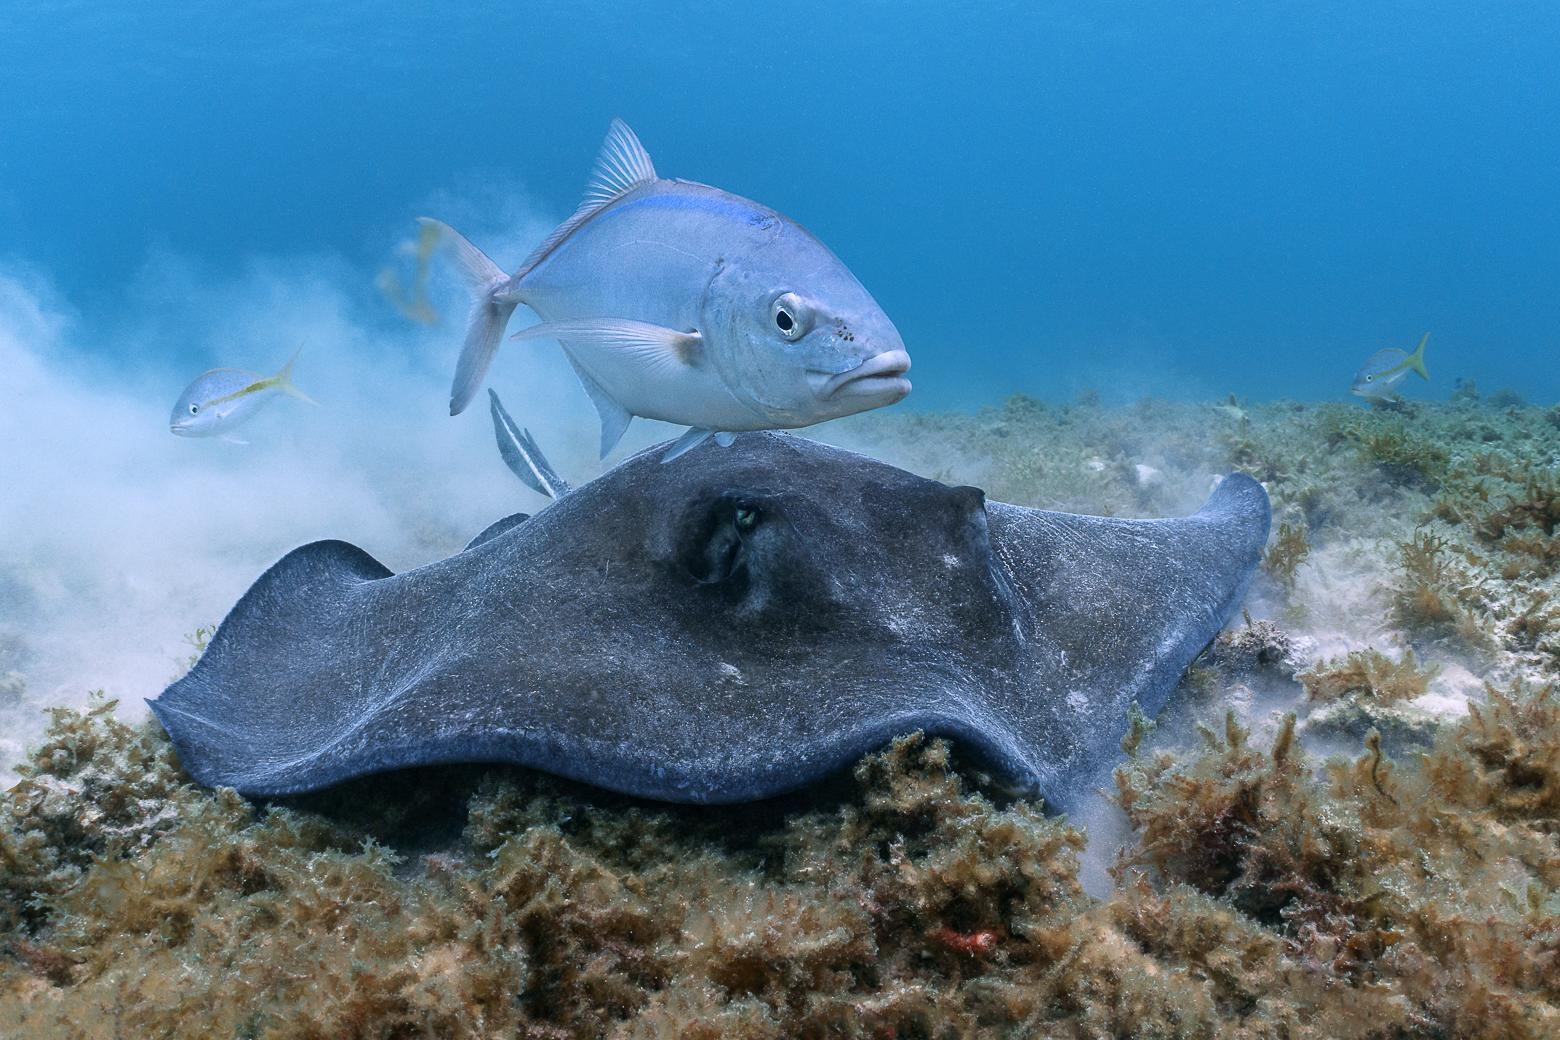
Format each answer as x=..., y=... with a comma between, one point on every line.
x=654, y=346
x=230, y=439
x=650, y=353
x=686, y=443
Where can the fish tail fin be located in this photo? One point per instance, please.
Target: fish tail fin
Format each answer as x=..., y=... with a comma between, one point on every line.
x=521, y=454
x=283, y=380
x=1417, y=359
x=490, y=312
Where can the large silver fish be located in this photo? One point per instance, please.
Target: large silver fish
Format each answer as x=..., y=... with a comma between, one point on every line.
x=681, y=302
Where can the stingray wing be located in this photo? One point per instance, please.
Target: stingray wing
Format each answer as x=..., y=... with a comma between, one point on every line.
x=302, y=625
x=1117, y=610
x=331, y=667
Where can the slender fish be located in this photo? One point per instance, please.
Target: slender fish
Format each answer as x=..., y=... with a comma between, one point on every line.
x=681, y=302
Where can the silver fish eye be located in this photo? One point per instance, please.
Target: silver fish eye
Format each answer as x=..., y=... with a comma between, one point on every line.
x=1369, y=378
x=194, y=409
x=791, y=315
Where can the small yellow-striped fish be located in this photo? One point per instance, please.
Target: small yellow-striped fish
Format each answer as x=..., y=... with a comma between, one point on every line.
x=1385, y=369
x=224, y=398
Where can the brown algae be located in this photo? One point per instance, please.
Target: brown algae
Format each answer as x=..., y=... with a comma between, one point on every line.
x=1259, y=898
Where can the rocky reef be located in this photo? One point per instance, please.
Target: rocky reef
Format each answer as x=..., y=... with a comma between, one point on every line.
x=1352, y=830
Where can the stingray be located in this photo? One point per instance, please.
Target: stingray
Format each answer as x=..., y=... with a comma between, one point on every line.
x=724, y=629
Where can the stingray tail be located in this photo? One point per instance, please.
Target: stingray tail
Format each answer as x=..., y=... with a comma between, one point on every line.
x=494, y=301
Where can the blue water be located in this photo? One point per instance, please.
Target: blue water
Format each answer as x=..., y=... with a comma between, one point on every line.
x=1179, y=198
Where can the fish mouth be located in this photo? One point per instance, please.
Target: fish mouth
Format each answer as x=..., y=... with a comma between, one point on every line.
x=881, y=375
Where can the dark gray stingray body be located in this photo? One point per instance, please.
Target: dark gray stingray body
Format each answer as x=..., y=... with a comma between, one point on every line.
x=722, y=629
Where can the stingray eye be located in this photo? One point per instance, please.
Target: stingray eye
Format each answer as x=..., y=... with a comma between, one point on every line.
x=722, y=538
x=791, y=315
x=194, y=409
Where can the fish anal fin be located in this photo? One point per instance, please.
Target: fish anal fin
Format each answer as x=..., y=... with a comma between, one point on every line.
x=614, y=417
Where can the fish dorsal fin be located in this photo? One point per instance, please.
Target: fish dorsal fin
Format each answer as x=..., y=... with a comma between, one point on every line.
x=622, y=166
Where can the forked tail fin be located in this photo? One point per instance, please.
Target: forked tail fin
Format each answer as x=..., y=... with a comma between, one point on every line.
x=284, y=383
x=522, y=456
x=1417, y=359
x=490, y=312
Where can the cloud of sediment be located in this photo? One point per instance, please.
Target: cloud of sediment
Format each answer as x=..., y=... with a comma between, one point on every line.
x=119, y=539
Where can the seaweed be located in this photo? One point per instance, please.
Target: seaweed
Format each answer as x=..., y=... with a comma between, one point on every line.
x=1380, y=881
x=1262, y=892
x=1391, y=443
x=1368, y=674
x=1506, y=762
x=1524, y=525
x=1538, y=507
x=1435, y=595
x=1256, y=900
x=95, y=787
x=1406, y=457
x=1286, y=554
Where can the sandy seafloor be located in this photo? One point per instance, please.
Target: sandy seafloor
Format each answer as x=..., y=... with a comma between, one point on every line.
x=1223, y=889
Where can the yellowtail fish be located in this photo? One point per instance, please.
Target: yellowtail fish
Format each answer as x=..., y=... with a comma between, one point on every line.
x=224, y=398
x=413, y=303
x=1377, y=380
